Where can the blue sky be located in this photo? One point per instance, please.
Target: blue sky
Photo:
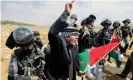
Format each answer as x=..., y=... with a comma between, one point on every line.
x=46, y=12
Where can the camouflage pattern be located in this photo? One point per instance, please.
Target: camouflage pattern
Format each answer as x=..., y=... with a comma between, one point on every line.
x=22, y=65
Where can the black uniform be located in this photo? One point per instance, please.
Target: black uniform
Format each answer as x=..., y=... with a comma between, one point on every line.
x=104, y=36
x=87, y=37
x=27, y=61
x=125, y=32
x=25, y=64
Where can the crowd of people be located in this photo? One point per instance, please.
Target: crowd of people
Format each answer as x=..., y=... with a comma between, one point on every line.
x=58, y=60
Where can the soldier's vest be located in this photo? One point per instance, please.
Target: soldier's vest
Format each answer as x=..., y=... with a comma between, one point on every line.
x=32, y=64
x=125, y=31
x=104, y=37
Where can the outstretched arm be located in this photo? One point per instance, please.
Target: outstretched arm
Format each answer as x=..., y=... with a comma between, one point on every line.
x=60, y=23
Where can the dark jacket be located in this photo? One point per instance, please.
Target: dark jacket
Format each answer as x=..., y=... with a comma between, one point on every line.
x=86, y=39
x=58, y=66
x=103, y=37
x=126, y=31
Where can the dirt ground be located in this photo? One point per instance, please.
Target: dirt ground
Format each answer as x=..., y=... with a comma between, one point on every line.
x=110, y=69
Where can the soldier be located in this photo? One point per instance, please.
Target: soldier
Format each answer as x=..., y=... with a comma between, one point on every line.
x=104, y=35
x=86, y=42
x=27, y=61
x=37, y=39
x=126, y=30
x=116, y=29
x=87, y=35
x=73, y=20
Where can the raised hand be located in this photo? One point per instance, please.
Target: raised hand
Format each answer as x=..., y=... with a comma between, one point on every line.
x=68, y=6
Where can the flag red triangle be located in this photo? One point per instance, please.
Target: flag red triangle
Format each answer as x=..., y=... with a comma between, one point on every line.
x=114, y=38
x=98, y=53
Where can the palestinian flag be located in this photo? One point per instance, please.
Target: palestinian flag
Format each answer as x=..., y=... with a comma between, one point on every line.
x=116, y=54
x=118, y=57
x=114, y=38
x=93, y=56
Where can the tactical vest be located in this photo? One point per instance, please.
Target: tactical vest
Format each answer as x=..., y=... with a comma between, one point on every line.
x=104, y=37
x=125, y=31
x=32, y=64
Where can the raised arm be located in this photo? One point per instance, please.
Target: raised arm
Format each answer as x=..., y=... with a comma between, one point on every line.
x=60, y=23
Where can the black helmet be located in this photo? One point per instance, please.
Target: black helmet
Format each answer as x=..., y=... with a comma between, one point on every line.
x=116, y=24
x=127, y=20
x=74, y=16
x=83, y=23
x=90, y=19
x=36, y=33
x=23, y=36
x=106, y=22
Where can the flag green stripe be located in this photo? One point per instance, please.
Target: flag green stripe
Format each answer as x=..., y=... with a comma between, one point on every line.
x=84, y=60
x=114, y=55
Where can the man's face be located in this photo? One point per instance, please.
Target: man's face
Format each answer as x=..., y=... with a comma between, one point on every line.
x=73, y=39
x=117, y=25
x=106, y=26
x=38, y=37
x=27, y=47
x=126, y=23
x=90, y=25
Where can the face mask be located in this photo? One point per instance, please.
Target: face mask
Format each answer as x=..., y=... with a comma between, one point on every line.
x=28, y=48
x=73, y=21
x=106, y=27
